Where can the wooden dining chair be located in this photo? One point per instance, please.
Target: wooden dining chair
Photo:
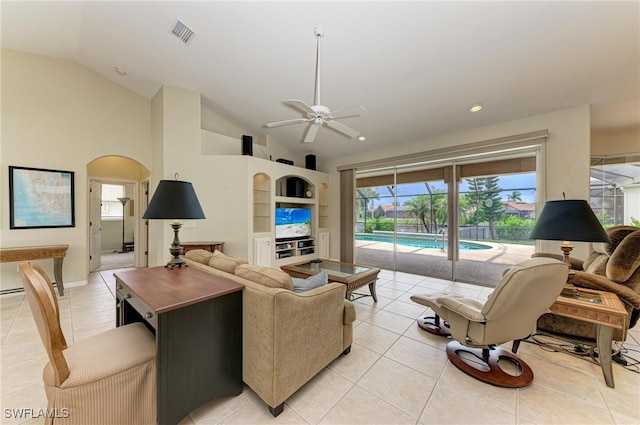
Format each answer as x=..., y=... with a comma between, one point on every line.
x=108, y=378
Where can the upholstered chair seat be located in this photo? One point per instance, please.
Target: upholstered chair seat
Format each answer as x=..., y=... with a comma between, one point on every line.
x=108, y=378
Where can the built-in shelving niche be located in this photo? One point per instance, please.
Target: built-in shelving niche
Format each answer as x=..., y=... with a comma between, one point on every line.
x=262, y=203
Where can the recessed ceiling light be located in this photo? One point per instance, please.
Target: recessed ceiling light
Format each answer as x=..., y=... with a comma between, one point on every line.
x=120, y=71
x=475, y=107
x=362, y=138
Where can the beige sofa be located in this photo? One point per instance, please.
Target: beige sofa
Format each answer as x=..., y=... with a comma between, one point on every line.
x=287, y=337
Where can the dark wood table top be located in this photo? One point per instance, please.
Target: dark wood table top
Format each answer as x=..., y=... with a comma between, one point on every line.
x=164, y=289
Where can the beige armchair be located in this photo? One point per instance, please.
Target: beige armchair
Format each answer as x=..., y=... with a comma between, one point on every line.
x=525, y=292
x=613, y=267
x=109, y=378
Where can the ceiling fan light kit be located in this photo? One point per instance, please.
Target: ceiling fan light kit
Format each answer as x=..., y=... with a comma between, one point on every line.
x=318, y=115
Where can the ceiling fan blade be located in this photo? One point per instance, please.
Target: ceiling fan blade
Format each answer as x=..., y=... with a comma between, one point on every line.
x=343, y=128
x=348, y=112
x=301, y=106
x=311, y=133
x=287, y=122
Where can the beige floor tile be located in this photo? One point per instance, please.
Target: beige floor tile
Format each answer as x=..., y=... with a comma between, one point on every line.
x=24, y=373
x=581, y=385
x=418, y=356
x=388, y=292
x=408, y=309
x=624, y=398
x=546, y=406
x=216, y=411
x=30, y=396
x=414, y=332
x=256, y=412
x=503, y=398
x=374, y=337
x=402, y=285
x=318, y=396
x=361, y=407
x=390, y=321
x=400, y=386
x=355, y=364
x=448, y=405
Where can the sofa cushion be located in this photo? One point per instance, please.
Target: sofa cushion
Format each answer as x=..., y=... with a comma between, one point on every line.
x=625, y=260
x=265, y=276
x=199, y=255
x=315, y=281
x=225, y=263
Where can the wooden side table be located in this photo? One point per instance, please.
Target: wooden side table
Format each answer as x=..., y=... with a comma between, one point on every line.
x=603, y=309
x=197, y=320
x=209, y=246
x=26, y=253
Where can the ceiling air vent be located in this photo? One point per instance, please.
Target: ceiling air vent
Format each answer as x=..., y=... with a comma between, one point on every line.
x=183, y=32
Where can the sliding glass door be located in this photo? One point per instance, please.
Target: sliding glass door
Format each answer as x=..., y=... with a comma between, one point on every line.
x=462, y=219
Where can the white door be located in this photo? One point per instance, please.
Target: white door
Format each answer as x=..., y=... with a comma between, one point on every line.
x=262, y=252
x=95, y=224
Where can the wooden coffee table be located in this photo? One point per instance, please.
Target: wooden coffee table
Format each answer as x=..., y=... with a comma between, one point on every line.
x=353, y=276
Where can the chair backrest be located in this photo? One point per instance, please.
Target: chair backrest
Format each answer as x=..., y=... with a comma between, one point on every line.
x=525, y=292
x=44, y=307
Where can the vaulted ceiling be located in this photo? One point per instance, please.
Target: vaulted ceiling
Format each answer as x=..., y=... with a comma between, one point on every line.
x=415, y=66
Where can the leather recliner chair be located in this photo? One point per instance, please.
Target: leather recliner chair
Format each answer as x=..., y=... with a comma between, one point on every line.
x=525, y=292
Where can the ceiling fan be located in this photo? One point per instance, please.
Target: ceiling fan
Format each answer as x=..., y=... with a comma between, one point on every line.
x=318, y=115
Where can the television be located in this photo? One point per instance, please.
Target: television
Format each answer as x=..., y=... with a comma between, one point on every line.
x=293, y=223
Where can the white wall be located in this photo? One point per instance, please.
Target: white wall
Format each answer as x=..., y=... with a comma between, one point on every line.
x=566, y=162
x=57, y=114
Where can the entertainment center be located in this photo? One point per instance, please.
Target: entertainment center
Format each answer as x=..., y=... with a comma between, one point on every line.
x=290, y=212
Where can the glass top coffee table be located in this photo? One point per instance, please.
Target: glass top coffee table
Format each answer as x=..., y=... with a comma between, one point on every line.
x=354, y=276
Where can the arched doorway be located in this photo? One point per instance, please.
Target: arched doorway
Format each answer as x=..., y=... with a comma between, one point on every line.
x=117, y=196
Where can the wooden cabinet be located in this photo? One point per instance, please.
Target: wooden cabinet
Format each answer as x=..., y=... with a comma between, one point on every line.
x=209, y=246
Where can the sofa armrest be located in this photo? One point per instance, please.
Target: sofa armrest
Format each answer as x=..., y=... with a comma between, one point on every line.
x=349, y=312
x=601, y=283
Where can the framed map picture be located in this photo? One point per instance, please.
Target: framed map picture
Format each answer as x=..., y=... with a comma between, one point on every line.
x=40, y=198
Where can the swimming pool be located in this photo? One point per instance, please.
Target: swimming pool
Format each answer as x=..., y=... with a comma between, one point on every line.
x=419, y=241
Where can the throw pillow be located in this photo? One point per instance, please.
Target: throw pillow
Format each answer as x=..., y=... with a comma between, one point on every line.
x=225, y=263
x=315, y=281
x=265, y=276
x=198, y=255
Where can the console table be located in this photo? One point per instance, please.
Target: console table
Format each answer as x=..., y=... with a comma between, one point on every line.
x=26, y=253
x=209, y=246
x=197, y=320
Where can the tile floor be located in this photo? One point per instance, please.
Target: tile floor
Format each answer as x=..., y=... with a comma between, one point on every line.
x=395, y=373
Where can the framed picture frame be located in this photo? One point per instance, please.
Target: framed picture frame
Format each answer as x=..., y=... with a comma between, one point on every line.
x=41, y=198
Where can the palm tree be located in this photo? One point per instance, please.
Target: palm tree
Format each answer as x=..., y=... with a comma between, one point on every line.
x=420, y=208
x=515, y=196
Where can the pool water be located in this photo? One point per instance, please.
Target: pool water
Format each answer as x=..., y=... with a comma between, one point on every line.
x=419, y=242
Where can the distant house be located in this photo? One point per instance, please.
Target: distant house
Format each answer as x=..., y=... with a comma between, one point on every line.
x=522, y=210
x=389, y=211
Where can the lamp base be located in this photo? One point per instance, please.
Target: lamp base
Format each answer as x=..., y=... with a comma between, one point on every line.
x=566, y=250
x=176, y=249
x=175, y=264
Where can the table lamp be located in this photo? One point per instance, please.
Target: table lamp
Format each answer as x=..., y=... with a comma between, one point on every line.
x=568, y=220
x=174, y=200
